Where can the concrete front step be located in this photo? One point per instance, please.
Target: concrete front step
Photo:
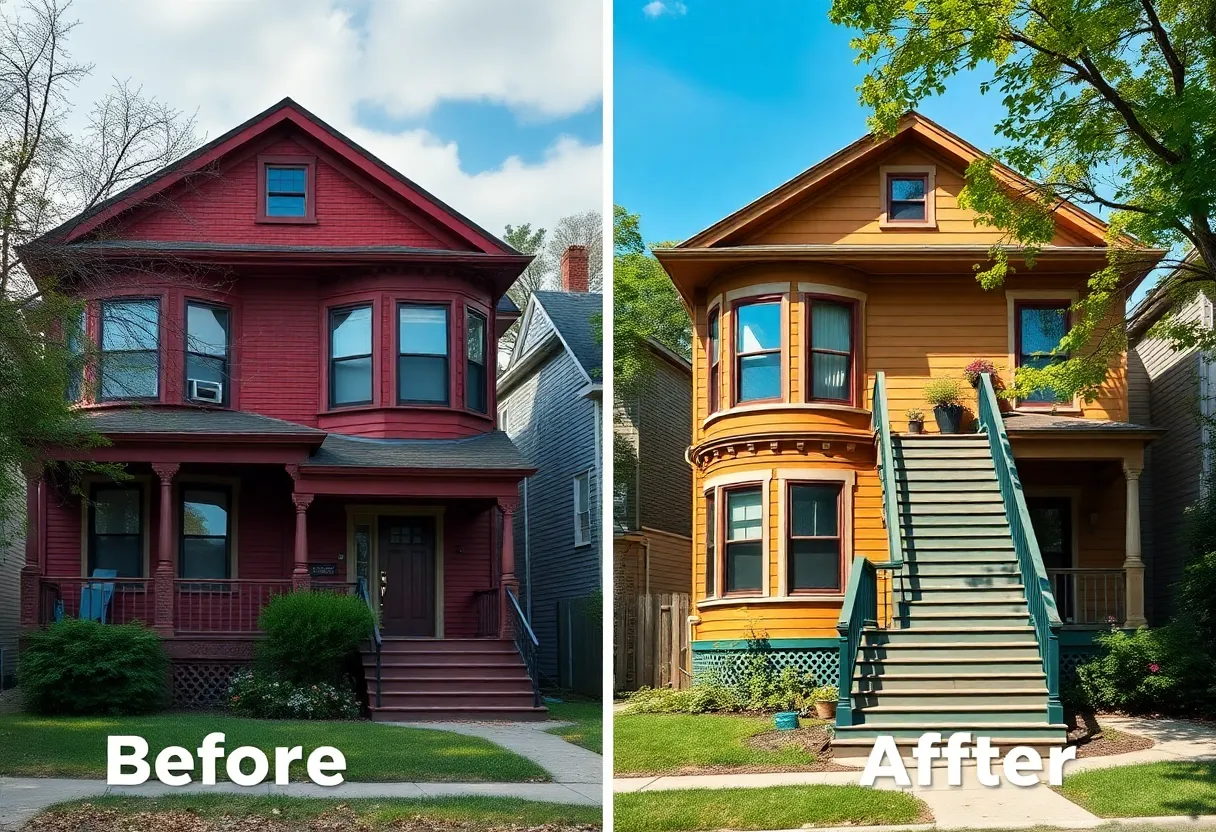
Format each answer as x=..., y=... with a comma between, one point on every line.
x=948, y=699
x=900, y=678
x=896, y=715
x=857, y=746
x=473, y=714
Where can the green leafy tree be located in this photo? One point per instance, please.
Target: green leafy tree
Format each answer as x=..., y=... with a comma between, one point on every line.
x=524, y=239
x=1108, y=103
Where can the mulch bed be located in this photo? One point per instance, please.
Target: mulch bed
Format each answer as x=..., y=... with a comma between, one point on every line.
x=1094, y=740
x=342, y=819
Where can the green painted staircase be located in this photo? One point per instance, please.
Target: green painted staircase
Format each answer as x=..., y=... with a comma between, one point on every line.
x=961, y=654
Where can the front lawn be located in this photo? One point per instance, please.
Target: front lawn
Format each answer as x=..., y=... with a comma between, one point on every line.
x=1142, y=791
x=272, y=814
x=76, y=746
x=674, y=743
x=588, y=727
x=778, y=807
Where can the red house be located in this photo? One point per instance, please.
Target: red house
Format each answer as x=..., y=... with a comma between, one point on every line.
x=295, y=361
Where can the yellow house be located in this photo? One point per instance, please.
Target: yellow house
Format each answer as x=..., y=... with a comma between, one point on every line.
x=934, y=576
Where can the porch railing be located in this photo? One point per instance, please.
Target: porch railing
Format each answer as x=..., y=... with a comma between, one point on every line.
x=1043, y=612
x=871, y=601
x=525, y=643
x=108, y=600
x=222, y=606
x=487, y=613
x=362, y=592
x=1090, y=596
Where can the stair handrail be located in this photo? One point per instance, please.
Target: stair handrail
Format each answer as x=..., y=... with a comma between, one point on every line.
x=526, y=643
x=881, y=424
x=1039, y=597
x=860, y=610
x=362, y=592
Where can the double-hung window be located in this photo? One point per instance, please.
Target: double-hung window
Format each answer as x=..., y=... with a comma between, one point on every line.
x=130, y=349
x=831, y=342
x=711, y=549
x=813, y=548
x=116, y=530
x=476, y=389
x=206, y=351
x=422, y=360
x=744, y=540
x=286, y=191
x=715, y=351
x=758, y=351
x=350, y=356
x=206, y=532
x=907, y=197
x=1040, y=327
x=582, y=509
x=75, y=334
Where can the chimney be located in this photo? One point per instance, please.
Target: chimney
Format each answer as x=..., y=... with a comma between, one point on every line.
x=574, y=269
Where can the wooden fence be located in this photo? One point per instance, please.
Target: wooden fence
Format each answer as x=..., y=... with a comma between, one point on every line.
x=651, y=638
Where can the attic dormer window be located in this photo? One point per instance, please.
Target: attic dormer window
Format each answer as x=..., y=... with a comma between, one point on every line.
x=908, y=194
x=286, y=189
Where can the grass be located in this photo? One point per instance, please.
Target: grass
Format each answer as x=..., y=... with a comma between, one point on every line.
x=655, y=743
x=588, y=728
x=778, y=807
x=76, y=746
x=1149, y=790
x=479, y=812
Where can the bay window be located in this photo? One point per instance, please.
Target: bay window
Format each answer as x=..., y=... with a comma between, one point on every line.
x=813, y=546
x=422, y=360
x=715, y=350
x=206, y=532
x=476, y=394
x=116, y=530
x=130, y=349
x=1040, y=327
x=350, y=356
x=206, y=351
x=758, y=352
x=831, y=349
x=745, y=561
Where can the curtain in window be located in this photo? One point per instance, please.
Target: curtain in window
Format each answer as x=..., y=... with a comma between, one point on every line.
x=813, y=550
x=831, y=341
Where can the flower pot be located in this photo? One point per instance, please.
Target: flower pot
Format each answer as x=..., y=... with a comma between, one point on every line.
x=949, y=417
x=916, y=427
x=786, y=720
x=825, y=710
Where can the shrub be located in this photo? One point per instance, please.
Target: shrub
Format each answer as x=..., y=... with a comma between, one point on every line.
x=943, y=392
x=89, y=668
x=977, y=367
x=1148, y=671
x=263, y=696
x=311, y=635
x=701, y=698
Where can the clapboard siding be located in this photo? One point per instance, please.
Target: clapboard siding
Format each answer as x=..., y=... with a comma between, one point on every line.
x=555, y=428
x=12, y=559
x=665, y=431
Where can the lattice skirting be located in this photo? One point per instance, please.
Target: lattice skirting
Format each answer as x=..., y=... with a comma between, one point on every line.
x=1071, y=659
x=823, y=662
x=202, y=684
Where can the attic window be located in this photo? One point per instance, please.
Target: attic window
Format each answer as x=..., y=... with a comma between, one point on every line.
x=286, y=189
x=908, y=196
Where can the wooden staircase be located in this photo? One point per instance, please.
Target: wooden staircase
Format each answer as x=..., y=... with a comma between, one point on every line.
x=960, y=654
x=450, y=679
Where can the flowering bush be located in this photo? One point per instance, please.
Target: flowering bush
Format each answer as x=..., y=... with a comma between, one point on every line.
x=976, y=368
x=264, y=696
x=1147, y=671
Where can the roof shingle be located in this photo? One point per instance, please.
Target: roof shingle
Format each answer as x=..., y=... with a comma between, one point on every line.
x=485, y=451
x=572, y=314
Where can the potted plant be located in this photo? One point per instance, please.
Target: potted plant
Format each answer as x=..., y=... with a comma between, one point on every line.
x=916, y=420
x=978, y=367
x=946, y=396
x=825, y=701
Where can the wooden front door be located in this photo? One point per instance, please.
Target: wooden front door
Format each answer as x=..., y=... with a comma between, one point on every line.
x=407, y=576
x=1051, y=518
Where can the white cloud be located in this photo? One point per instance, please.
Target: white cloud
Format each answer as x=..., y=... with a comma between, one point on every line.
x=658, y=8
x=231, y=60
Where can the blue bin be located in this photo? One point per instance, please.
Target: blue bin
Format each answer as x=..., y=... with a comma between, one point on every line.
x=786, y=720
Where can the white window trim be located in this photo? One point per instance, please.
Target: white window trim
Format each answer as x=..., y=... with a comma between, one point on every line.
x=1012, y=298
x=930, y=174
x=787, y=476
x=763, y=480
x=589, y=511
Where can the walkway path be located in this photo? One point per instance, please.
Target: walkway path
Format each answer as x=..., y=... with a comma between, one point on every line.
x=972, y=805
x=565, y=761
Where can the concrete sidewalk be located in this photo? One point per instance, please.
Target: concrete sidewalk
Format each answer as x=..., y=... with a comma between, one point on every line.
x=564, y=761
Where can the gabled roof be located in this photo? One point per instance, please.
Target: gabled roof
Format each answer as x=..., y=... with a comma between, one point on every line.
x=286, y=111
x=573, y=314
x=863, y=152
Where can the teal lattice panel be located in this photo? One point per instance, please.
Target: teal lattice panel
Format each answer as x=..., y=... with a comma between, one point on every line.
x=823, y=662
x=1070, y=660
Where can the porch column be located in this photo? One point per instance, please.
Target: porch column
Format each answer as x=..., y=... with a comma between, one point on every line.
x=163, y=580
x=299, y=574
x=31, y=573
x=508, y=580
x=1133, y=565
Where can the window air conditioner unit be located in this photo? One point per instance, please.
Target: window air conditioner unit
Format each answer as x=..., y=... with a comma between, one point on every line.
x=198, y=390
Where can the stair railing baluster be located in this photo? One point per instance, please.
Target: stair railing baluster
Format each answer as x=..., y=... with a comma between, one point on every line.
x=361, y=591
x=526, y=643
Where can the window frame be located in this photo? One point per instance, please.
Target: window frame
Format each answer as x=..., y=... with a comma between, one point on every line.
x=713, y=350
x=229, y=547
x=724, y=581
x=446, y=306
x=470, y=313
x=76, y=346
x=1038, y=303
x=102, y=352
x=577, y=514
x=840, y=537
x=889, y=172
x=309, y=164
x=710, y=589
x=226, y=400
x=90, y=526
x=330, y=359
x=808, y=301
x=736, y=356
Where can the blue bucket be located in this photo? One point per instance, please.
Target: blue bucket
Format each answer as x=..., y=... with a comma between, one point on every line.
x=786, y=720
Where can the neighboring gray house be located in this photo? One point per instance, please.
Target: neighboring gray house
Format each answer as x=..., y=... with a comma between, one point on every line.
x=550, y=403
x=1171, y=390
